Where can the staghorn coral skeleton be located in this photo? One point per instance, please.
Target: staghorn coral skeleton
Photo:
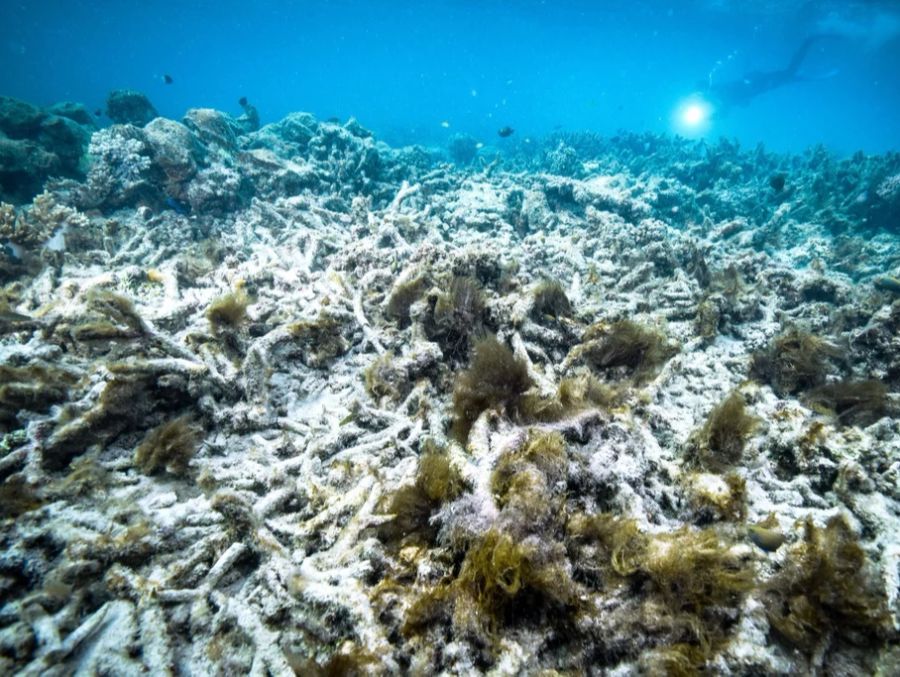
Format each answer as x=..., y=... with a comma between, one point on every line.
x=267, y=549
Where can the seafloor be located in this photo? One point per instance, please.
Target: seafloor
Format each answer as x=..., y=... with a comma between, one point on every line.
x=289, y=400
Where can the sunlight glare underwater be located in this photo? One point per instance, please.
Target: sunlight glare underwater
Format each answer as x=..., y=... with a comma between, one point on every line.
x=693, y=117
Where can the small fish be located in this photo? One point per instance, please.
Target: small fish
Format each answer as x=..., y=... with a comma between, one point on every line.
x=767, y=539
x=177, y=206
x=11, y=316
x=445, y=124
x=242, y=101
x=767, y=534
x=98, y=113
x=8, y=316
x=888, y=283
x=168, y=79
x=505, y=132
x=777, y=181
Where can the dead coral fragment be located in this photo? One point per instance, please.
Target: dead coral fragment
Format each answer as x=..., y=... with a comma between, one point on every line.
x=228, y=311
x=796, y=360
x=720, y=444
x=639, y=349
x=853, y=402
x=495, y=379
x=168, y=447
x=550, y=300
x=827, y=586
x=117, y=308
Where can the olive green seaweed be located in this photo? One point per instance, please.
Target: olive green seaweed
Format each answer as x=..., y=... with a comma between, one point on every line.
x=795, y=361
x=495, y=379
x=720, y=443
x=550, y=300
x=412, y=505
x=641, y=350
x=168, y=447
x=458, y=315
x=402, y=296
x=228, y=311
x=828, y=590
x=853, y=402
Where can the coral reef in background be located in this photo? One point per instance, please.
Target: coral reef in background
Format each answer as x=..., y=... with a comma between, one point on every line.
x=39, y=143
x=288, y=400
x=128, y=107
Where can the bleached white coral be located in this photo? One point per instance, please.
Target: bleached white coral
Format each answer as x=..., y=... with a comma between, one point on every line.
x=215, y=189
x=8, y=221
x=119, y=167
x=889, y=189
x=37, y=223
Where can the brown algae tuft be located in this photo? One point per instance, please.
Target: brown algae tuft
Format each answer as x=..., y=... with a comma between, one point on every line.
x=550, y=300
x=827, y=589
x=495, y=379
x=457, y=316
x=639, y=349
x=852, y=402
x=795, y=361
x=719, y=445
x=228, y=311
x=412, y=505
x=168, y=447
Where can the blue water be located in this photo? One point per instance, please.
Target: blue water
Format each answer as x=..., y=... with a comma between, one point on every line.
x=422, y=71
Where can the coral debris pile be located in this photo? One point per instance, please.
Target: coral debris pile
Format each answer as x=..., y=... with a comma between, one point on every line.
x=290, y=400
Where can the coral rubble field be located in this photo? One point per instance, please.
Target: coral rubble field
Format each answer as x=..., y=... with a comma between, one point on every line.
x=288, y=400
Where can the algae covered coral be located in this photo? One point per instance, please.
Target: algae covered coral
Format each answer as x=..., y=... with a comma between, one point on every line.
x=374, y=413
